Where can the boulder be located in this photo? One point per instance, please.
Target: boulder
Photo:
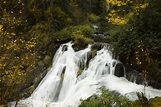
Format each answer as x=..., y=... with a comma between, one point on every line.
x=119, y=70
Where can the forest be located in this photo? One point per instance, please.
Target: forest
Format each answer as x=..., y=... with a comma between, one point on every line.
x=32, y=30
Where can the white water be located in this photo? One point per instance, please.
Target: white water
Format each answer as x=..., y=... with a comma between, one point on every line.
x=53, y=91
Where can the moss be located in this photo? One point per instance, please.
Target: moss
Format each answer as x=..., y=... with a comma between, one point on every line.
x=82, y=42
x=62, y=76
x=32, y=88
x=3, y=105
x=94, y=53
x=72, y=32
x=79, y=72
x=143, y=102
x=47, y=59
x=155, y=102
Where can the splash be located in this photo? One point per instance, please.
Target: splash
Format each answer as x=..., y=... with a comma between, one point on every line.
x=63, y=87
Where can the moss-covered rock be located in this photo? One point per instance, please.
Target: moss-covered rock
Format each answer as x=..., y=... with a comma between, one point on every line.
x=79, y=72
x=47, y=59
x=81, y=42
x=155, y=102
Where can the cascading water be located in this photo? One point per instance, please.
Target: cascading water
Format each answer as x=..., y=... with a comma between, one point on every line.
x=62, y=86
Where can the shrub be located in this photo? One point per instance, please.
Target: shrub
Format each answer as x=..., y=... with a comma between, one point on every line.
x=106, y=99
x=73, y=32
x=82, y=42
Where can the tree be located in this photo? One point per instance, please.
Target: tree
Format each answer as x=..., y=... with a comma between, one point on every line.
x=138, y=40
x=123, y=11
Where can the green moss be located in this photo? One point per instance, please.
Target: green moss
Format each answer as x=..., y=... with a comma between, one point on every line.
x=47, y=59
x=94, y=53
x=62, y=76
x=93, y=103
x=155, y=102
x=79, y=72
x=3, y=105
x=144, y=102
x=32, y=88
x=82, y=42
x=72, y=32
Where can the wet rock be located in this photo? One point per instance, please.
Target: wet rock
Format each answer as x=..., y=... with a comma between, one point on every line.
x=140, y=80
x=97, y=46
x=114, y=63
x=115, y=93
x=89, y=57
x=79, y=72
x=95, y=96
x=132, y=95
x=136, y=77
x=132, y=75
x=119, y=70
x=64, y=48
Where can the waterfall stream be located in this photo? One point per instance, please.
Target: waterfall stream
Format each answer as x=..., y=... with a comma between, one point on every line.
x=62, y=86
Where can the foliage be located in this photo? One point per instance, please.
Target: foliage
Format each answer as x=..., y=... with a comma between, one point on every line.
x=123, y=11
x=106, y=99
x=93, y=18
x=138, y=41
x=31, y=29
x=82, y=42
x=144, y=102
x=114, y=18
x=72, y=32
x=57, y=18
x=155, y=102
x=22, y=44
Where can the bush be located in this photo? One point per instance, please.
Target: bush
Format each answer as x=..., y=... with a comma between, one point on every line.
x=106, y=99
x=62, y=35
x=73, y=32
x=82, y=42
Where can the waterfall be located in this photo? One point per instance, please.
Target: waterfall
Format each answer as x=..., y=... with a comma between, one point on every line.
x=63, y=87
